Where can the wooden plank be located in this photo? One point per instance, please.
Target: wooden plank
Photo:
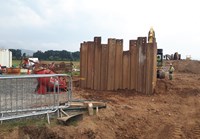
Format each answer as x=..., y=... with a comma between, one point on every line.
x=81, y=64
x=84, y=104
x=144, y=62
x=149, y=67
x=133, y=67
x=141, y=43
x=85, y=47
x=111, y=63
x=97, y=64
x=104, y=66
x=84, y=65
x=118, y=64
x=137, y=66
x=152, y=67
x=139, y=77
x=129, y=71
x=90, y=65
x=126, y=70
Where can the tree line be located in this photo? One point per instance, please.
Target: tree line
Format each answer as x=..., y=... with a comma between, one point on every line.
x=50, y=55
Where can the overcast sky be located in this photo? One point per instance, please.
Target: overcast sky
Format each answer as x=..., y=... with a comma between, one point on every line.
x=64, y=24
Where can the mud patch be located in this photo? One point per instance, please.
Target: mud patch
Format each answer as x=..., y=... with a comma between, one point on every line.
x=33, y=132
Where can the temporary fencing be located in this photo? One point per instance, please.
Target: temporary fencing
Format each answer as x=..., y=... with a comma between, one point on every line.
x=30, y=95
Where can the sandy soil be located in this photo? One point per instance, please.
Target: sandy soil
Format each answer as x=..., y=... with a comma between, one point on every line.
x=172, y=112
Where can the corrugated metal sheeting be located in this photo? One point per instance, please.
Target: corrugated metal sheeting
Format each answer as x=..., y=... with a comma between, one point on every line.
x=5, y=57
x=108, y=67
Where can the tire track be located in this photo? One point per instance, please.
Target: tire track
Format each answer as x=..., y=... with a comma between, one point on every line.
x=196, y=131
x=177, y=132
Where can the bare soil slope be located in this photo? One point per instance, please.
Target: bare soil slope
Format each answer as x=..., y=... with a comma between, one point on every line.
x=172, y=112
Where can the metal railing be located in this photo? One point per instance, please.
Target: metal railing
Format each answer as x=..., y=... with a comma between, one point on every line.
x=30, y=95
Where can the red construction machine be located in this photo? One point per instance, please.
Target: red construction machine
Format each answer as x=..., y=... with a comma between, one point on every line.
x=48, y=84
x=45, y=84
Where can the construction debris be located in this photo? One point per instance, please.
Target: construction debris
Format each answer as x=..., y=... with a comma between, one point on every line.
x=174, y=56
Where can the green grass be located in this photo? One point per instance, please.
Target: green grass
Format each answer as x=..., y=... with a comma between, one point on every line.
x=75, y=73
x=76, y=63
x=16, y=62
x=7, y=126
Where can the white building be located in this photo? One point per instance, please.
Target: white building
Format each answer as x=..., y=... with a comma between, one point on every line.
x=5, y=57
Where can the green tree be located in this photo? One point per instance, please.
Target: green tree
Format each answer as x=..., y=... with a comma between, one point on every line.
x=24, y=55
x=57, y=55
x=76, y=56
x=16, y=54
x=40, y=55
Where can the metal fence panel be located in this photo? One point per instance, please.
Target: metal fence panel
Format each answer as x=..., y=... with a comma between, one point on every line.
x=29, y=95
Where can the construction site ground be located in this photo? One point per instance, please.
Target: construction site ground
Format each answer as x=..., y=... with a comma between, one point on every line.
x=173, y=111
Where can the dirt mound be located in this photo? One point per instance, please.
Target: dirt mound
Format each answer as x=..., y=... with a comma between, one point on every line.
x=186, y=66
